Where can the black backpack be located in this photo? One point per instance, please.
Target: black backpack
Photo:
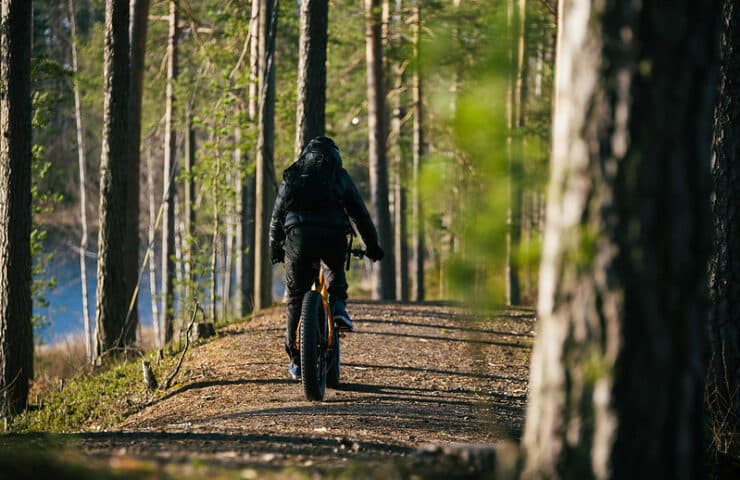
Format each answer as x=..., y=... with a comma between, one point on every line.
x=312, y=182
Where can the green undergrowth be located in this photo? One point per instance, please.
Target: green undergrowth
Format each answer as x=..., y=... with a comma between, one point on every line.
x=92, y=401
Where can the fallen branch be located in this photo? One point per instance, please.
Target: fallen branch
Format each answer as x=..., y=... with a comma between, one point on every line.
x=168, y=382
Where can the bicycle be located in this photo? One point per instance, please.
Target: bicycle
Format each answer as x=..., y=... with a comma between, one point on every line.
x=318, y=337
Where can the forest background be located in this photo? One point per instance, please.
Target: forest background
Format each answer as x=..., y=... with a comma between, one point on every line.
x=467, y=56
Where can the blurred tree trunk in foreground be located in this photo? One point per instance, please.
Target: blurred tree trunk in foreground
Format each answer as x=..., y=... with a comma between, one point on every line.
x=723, y=382
x=617, y=376
x=16, y=332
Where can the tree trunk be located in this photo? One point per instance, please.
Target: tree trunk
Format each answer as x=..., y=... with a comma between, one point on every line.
x=417, y=236
x=170, y=145
x=616, y=383
x=246, y=241
x=383, y=274
x=81, y=162
x=723, y=382
x=311, y=72
x=16, y=332
x=156, y=320
x=112, y=301
x=139, y=12
x=265, y=173
x=189, y=212
x=400, y=245
x=516, y=17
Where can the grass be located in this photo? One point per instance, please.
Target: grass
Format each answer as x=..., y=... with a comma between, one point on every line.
x=70, y=396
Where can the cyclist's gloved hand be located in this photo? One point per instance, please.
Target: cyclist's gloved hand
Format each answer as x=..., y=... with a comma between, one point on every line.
x=277, y=254
x=374, y=252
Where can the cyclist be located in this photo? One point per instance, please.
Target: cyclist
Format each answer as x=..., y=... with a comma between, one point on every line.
x=310, y=221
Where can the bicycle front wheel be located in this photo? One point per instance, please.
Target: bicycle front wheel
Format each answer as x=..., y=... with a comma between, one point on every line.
x=313, y=360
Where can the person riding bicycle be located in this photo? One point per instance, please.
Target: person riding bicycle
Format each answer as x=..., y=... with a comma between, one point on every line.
x=310, y=221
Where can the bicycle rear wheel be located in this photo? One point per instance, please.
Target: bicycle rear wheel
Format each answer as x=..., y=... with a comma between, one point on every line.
x=313, y=360
x=332, y=374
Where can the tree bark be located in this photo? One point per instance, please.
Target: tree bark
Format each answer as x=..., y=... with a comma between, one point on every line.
x=139, y=21
x=616, y=383
x=16, y=332
x=265, y=173
x=311, y=72
x=246, y=241
x=112, y=301
x=82, y=167
x=723, y=382
x=515, y=149
x=383, y=275
x=189, y=212
x=400, y=244
x=156, y=319
x=417, y=236
x=170, y=145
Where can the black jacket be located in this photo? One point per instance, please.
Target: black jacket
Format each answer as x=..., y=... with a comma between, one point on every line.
x=335, y=218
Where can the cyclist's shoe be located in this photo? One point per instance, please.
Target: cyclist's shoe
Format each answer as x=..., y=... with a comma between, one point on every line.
x=340, y=315
x=295, y=370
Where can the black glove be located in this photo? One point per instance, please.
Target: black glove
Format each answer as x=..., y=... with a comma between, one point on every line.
x=374, y=253
x=277, y=254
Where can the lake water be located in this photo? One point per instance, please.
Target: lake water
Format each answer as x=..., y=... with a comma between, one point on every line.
x=65, y=301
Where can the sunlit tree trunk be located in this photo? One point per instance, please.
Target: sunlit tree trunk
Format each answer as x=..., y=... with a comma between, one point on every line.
x=81, y=163
x=383, y=273
x=112, y=301
x=245, y=235
x=723, y=382
x=417, y=236
x=616, y=381
x=400, y=244
x=514, y=150
x=188, y=216
x=152, y=264
x=265, y=172
x=168, y=216
x=311, y=72
x=16, y=332
x=139, y=21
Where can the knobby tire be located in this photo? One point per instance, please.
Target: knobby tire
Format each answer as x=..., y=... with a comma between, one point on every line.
x=313, y=362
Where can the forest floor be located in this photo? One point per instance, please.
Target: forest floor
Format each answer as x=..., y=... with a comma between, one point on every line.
x=413, y=378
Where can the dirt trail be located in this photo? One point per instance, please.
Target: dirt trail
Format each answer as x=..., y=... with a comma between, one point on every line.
x=412, y=375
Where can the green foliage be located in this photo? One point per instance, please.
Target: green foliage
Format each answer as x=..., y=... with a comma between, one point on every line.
x=43, y=197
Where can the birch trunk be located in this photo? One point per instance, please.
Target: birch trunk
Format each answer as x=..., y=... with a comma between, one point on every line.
x=156, y=320
x=81, y=162
x=170, y=144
